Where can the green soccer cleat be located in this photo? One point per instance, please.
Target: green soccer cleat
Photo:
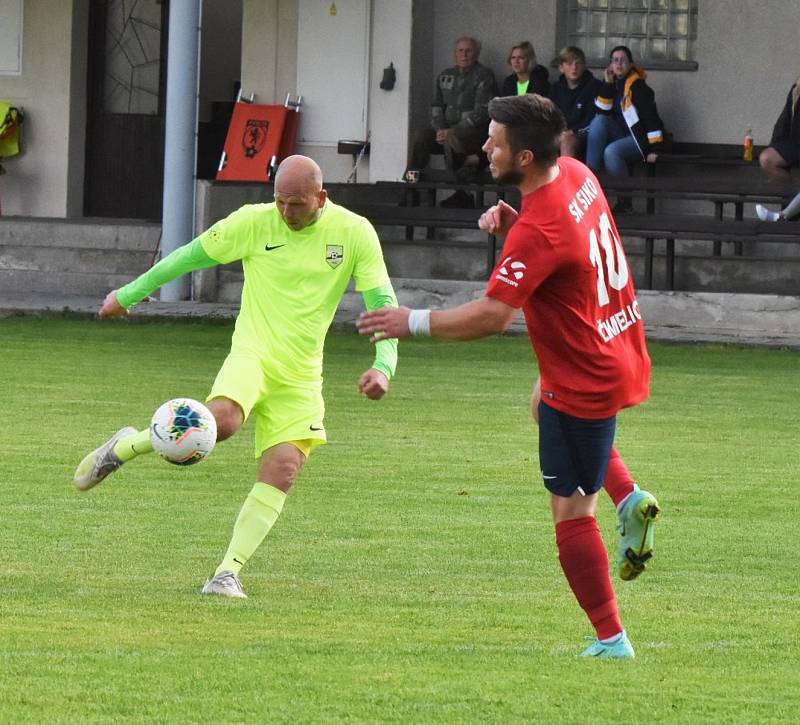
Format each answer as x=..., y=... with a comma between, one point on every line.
x=622, y=649
x=226, y=584
x=100, y=462
x=636, y=527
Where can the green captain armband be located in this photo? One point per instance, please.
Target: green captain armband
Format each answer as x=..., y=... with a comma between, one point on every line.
x=185, y=259
x=385, y=350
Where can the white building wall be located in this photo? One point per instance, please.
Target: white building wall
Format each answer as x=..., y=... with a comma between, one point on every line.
x=269, y=69
x=744, y=51
x=265, y=39
x=747, y=56
x=46, y=179
x=388, y=110
x=498, y=26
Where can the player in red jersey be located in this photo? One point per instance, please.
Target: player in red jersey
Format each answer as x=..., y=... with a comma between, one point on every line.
x=563, y=264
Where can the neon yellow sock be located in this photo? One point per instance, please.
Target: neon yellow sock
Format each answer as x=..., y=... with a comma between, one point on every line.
x=259, y=513
x=129, y=447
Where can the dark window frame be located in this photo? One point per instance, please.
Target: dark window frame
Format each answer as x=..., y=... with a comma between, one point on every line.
x=568, y=34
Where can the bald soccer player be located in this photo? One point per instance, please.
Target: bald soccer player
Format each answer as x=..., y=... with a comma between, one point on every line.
x=298, y=254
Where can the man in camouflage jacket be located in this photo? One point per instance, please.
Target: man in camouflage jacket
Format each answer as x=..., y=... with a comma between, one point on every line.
x=459, y=116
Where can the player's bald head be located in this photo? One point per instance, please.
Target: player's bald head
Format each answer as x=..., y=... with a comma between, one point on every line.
x=299, y=195
x=299, y=173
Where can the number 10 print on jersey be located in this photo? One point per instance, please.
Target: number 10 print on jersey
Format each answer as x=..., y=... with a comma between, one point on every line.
x=577, y=294
x=612, y=271
x=615, y=262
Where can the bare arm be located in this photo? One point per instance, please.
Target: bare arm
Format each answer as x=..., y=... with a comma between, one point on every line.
x=472, y=320
x=469, y=321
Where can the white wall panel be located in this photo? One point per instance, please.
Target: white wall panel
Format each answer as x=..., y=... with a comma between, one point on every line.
x=332, y=70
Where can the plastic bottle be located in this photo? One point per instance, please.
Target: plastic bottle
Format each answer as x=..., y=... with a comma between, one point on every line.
x=747, y=152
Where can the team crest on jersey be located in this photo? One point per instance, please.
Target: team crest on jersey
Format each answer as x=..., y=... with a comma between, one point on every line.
x=334, y=255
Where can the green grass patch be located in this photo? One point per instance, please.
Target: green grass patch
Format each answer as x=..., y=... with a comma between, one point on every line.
x=413, y=575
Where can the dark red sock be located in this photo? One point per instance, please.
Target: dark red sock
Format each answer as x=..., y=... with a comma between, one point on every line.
x=584, y=560
x=618, y=482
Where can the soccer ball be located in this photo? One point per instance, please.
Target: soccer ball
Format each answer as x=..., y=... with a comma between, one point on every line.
x=183, y=431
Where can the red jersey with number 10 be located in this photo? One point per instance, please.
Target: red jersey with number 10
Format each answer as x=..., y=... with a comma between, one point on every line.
x=564, y=265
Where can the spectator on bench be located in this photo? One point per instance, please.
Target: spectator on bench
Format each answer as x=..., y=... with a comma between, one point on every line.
x=574, y=93
x=459, y=117
x=627, y=126
x=528, y=75
x=783, y=151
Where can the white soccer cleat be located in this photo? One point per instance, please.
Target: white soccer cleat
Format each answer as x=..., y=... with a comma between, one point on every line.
x=100, y=462
x=224, y=584
x=765, y=215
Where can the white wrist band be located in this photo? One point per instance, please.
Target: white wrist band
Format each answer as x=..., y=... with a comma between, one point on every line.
x=419, y=322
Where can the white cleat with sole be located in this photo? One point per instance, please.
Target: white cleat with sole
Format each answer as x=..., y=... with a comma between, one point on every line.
x=100, y=462
x=224, y=584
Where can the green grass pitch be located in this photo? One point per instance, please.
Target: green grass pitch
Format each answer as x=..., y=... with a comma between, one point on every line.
x=413, y=575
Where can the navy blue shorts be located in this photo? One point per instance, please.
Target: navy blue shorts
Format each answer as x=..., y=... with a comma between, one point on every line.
x=573, y=452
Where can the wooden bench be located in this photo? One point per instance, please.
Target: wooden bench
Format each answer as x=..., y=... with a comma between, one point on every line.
x=430, y=217
x=708, y=155
x=671, y=227
x=424, y=193
x=719, y=192
x=426, y=190
x=416, y=207
x=413, y=205
x=650, y=227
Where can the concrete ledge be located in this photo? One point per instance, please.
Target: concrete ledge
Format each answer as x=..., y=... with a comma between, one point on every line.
x=747, y=319
x=80, y=233
x=763, y=320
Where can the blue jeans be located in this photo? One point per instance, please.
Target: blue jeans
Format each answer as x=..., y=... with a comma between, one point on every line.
x=610, y=146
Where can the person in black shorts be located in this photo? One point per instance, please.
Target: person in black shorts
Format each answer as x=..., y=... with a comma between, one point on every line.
x=783, y=152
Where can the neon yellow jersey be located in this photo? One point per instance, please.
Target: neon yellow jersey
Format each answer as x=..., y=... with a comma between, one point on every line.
x=294, y=280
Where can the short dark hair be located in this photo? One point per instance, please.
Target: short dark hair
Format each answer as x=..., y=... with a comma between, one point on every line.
x=623, y=48
x=532, y=122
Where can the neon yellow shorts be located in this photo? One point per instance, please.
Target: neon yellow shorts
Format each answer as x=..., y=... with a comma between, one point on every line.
x=285, y=413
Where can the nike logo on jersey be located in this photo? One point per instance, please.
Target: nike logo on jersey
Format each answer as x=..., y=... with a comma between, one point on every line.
x=311, y=427
x=277, y=246
x=548, y=478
